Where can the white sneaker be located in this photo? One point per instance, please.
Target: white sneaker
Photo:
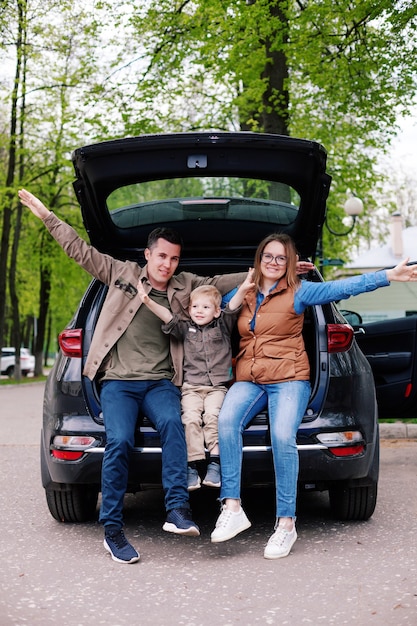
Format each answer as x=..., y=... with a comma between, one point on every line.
x=229, y=524
x=280, y=543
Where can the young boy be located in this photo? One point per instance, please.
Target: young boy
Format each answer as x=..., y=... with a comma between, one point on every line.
x=207, y=370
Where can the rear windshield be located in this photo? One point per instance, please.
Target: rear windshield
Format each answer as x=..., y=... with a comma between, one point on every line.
x=203, y=198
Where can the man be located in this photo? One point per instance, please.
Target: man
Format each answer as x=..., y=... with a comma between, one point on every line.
x=139, y=367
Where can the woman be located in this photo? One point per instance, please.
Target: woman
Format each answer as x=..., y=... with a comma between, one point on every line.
x=272, y=369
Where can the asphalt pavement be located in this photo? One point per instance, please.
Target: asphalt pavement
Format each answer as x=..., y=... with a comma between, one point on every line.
x=338, y=573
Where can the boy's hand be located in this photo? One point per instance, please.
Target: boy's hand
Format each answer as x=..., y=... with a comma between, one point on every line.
x=142, y=293
x=248, y=283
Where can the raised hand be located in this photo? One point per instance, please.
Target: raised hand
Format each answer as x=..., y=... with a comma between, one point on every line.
x=142, y=293
x=304, y=266
x=33, y=203
x=403, y=272
x=248, y=283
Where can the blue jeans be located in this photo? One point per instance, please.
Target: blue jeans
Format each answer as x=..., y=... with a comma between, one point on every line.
x=122, y=401
x=286, y=403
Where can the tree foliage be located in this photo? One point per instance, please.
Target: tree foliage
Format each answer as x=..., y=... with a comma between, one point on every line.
x=337, y=72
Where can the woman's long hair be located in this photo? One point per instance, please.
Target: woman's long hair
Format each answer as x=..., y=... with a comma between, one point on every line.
x=290, y=252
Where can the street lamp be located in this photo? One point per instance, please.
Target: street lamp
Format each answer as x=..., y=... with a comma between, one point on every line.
x=353, y=207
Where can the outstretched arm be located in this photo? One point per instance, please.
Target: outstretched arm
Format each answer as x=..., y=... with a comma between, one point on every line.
x=33, y=203
x=322, y=292
x=162, y=312
x=403, y=272
x=246, y=286
x=102, y=266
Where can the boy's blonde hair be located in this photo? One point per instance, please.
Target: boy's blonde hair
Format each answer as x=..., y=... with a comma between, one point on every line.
x=207, y=290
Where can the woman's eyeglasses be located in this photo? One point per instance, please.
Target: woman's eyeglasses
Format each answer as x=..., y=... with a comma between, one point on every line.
x=268, y=258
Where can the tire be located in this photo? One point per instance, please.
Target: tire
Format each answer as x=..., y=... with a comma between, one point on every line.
x=357, y=502
x=353, y=503
x=10, y=371
x=73, y=504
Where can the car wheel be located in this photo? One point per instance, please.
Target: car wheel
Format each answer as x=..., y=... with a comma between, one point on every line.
x=357, y=502
x=72, y=504
x=10, y=371
x=353, y=503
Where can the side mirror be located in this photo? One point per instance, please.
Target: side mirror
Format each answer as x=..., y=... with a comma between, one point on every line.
x=353, y=318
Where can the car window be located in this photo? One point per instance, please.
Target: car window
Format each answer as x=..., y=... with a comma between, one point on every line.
x=203, y=198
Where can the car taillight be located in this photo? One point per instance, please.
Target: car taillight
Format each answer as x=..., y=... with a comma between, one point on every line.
x=66, y=455
x=71, y=447
x=343, y=443
x=71, y=342
x=339, y=337
x=348, y=451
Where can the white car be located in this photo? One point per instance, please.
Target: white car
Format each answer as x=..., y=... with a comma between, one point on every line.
x=27, y=361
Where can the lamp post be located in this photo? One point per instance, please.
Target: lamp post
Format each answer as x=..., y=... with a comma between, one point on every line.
x=353, y=207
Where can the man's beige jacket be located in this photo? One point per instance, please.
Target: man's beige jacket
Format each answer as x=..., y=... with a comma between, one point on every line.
x=122, y=301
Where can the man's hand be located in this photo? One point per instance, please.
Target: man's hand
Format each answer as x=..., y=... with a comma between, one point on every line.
x=33, y=203
x=304, y=266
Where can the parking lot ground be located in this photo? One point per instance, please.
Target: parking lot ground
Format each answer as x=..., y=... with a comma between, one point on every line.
x=338, y=572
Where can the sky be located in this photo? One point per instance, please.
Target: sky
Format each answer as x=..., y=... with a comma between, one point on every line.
x=404, y=147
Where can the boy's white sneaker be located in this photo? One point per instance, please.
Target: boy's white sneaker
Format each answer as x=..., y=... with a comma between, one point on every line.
x=280, y=543
x=229, y=524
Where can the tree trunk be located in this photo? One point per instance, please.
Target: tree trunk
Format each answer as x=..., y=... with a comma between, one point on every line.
x=11, y=172
x=274, y=117
x=45, y=290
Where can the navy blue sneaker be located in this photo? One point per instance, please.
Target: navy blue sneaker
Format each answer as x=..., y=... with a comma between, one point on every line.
x=120, y=549
x=179, y=521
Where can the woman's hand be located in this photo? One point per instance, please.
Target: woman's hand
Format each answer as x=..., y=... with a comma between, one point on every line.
x=33, y=203
x=403, y=272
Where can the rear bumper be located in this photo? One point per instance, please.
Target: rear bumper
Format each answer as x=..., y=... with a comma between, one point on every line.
x=319, y=468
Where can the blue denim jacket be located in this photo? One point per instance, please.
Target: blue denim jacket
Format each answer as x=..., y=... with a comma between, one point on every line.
x=321, y=293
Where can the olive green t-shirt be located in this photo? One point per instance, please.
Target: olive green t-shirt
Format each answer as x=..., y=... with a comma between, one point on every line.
x=142, y=352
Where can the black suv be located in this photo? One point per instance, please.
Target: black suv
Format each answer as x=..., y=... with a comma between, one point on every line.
x=223, y=192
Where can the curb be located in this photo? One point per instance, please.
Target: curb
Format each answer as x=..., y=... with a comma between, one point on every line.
x=398, y=430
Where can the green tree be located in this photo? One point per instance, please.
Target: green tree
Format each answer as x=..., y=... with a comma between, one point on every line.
x=336, y=72
x=13, y=169
x=45, y=126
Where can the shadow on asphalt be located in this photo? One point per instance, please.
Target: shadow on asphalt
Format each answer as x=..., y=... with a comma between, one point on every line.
x=258, y=502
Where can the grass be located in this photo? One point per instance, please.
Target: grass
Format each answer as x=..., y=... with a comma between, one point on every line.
x=393, y=420
x=23, y=381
